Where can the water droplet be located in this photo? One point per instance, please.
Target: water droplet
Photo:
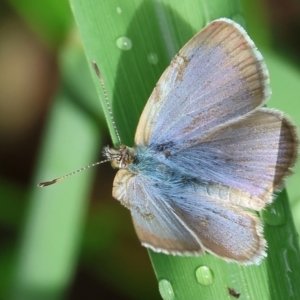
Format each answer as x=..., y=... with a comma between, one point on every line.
x=119, y=10
x=274, y=214
x=166, y=289
x=152, y=58
x=124, y=43
x=287, y=254
x=204, y=275
x=289, y=257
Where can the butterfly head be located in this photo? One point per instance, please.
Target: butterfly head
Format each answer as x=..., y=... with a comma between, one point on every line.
x=120, y=157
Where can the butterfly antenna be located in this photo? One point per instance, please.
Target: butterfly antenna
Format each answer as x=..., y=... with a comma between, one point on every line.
x=95, y=66
x=46, y=183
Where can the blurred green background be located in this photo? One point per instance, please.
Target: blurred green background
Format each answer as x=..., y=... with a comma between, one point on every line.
x=73, y=241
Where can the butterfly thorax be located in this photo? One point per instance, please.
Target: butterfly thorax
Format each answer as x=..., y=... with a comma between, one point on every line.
x=151, y=164
x=120, y=157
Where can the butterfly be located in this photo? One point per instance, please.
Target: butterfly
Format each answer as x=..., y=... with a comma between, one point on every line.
x=207, y=154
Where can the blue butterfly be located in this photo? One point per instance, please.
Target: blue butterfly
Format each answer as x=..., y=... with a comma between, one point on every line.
x=207, y=155
x=206, y=152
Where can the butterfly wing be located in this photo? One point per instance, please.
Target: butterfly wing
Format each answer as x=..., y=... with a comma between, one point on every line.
x=224, y=229
x=204, y=119
x=189, y=222
x=155, y=223
x=252, y=155
x=216, y=77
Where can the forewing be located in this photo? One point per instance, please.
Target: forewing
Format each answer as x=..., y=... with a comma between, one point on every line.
x=154, y=220
x=253, y=155
x=218, y=76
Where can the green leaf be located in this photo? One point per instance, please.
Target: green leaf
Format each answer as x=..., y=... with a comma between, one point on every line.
x=133, y=43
